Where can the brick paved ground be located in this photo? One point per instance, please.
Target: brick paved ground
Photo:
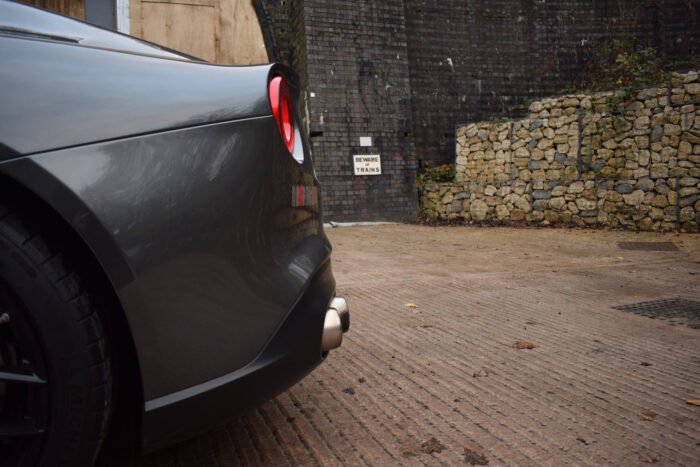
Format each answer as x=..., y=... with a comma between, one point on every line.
x=601, y=387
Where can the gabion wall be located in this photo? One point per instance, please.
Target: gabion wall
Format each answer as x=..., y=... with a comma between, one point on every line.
x=605, y=159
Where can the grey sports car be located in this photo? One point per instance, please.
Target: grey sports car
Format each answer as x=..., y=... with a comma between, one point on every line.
x=163, y=262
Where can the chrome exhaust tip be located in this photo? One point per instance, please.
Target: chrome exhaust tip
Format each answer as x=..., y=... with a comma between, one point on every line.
x=332, y=331
x=340, y=305
x=336, y=323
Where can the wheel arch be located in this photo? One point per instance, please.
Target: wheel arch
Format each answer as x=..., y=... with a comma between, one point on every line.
x=42, y=200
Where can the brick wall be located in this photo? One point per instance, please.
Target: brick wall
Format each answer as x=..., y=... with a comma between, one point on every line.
x=358, y=85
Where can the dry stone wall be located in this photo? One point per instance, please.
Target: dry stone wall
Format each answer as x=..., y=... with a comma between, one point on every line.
x=605, y=159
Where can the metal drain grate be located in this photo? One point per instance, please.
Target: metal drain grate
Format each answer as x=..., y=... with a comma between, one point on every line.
x=674, y=310
x=648, y=246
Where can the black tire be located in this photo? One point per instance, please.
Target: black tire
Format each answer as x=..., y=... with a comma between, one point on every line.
x=51, y=331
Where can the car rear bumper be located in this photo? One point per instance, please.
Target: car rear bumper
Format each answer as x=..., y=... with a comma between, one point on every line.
x=293, y=351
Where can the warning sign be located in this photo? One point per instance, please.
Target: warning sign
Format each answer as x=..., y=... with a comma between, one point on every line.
x=369, y=164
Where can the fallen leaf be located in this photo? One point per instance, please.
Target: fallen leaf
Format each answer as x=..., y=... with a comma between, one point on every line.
x=647, y=416
x=482, y=373
x=412, y=305
x=620, y=257
x=694, y=402
x=524, y=345
x=474, y=458
x=650, y=458
x=432, y=445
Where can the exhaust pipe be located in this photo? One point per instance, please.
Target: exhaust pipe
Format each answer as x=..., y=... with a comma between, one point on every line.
x=332, y=331
x=337, y=322
x=340, y=305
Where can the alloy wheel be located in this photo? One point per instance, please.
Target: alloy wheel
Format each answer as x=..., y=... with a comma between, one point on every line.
x=24, y=388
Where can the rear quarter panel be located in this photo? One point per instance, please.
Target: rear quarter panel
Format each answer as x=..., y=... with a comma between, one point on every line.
x=204, y=220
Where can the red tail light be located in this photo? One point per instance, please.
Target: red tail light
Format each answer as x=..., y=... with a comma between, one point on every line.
x=282, y=110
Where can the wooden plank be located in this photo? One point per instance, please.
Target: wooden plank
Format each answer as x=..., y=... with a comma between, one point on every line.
x=212, y=3
x=76, y=9
x=135, y=25
x=231, y=36
x=73, y=8
x=240, y=36
x=189, y=28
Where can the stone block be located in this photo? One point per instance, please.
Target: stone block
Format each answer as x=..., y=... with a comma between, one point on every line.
x=585, y=204
x=634, y=198
x=538, y=174
x=659, y=171
x=523, y=205
x=517, y=215
x=576, y=187
x=624, y=188
x=687, y=214
x=478, y=210
x=559, y=190
x=541, y=194
x=502, y=212
x=536, y=216
x=688, y=200
x=645, y=184
x=547, y=143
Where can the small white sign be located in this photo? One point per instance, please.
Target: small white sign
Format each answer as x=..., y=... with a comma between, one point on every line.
x=365, y=141
x=369, y=164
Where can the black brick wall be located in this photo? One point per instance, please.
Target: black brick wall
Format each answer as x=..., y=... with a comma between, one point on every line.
x=473, y=59
x=358, y=72
x=406, y=72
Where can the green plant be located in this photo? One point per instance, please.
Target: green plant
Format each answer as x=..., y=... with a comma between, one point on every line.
x=626, y=65
x=441, y=173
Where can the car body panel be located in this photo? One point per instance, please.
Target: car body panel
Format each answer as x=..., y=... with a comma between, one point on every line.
x=74, y=95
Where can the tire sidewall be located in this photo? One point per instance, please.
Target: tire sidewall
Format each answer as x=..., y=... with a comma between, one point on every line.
x=64, y=348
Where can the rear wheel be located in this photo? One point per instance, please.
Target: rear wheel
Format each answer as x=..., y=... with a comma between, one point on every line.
x=55, y=381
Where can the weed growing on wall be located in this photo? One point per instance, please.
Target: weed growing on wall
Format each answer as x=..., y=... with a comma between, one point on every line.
x=623, y=64
x=441, y=173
